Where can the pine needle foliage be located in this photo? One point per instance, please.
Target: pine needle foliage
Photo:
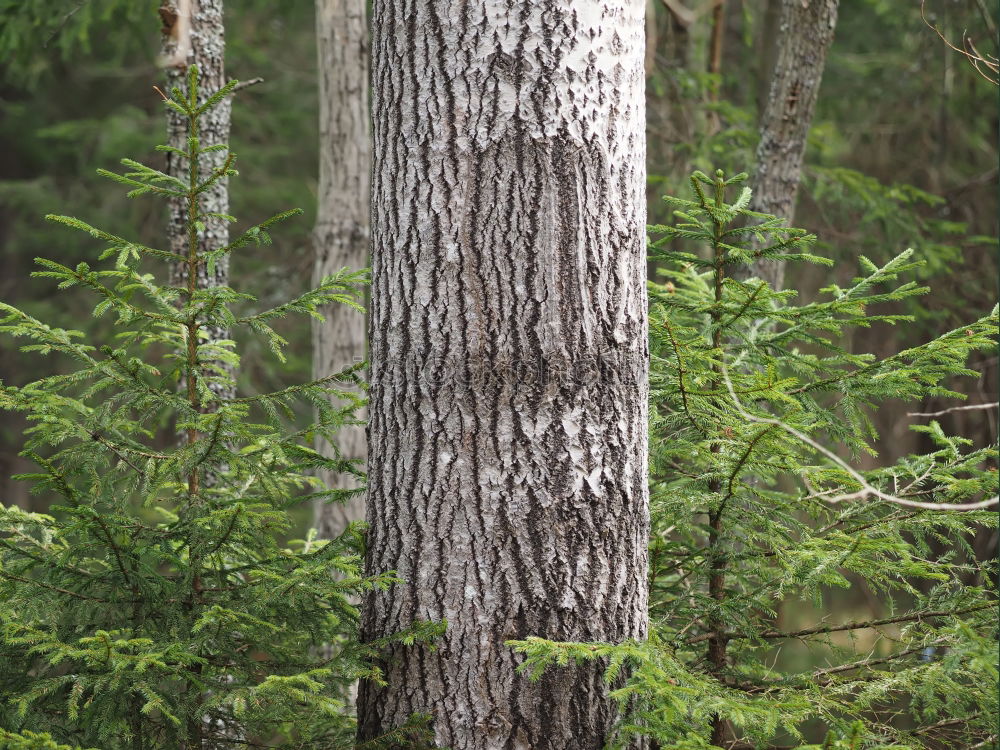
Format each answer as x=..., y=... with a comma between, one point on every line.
x=159, y=603
x=753, y=522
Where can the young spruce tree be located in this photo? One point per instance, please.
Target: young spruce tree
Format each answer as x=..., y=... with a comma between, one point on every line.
x=156, y=605
x=756, y=413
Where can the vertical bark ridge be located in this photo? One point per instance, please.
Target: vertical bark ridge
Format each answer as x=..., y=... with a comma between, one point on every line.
x=507, y=438
x=341, y=234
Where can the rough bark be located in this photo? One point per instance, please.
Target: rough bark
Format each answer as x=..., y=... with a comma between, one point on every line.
x=193, y=34
x=805, y=34
x=341, y=235
x=507, y=433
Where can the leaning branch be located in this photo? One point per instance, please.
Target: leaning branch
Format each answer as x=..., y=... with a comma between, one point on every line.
x=866, y=491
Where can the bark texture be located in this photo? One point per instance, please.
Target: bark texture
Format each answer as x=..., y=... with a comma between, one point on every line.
x=341, y=235
x=193, y=34
x=507, y=434
x=805, y=33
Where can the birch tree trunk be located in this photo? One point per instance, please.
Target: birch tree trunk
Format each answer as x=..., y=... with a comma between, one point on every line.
x=507, y=434
x=341, y=235
x=805, y=33
x=194, y=34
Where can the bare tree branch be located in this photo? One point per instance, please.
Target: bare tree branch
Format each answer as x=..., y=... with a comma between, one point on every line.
x=246, y=84
x=62, y=24
x=970, y=407
x=991, y=63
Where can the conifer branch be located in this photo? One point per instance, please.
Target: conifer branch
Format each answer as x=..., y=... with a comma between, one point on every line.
x=866, y=490
x=216, y=561
x=680, y=375
x=42, y=584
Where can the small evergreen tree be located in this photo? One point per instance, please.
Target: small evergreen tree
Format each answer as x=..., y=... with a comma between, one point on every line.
x=157, y=605
x=755, y=509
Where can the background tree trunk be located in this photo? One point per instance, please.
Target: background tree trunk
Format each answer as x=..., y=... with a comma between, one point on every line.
x=507, y=438
x=767, y=53
x=804, y=37
x=194, y=34
x=341, y=235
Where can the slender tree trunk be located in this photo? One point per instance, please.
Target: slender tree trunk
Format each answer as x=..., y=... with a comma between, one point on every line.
x=713, y=122
x=507, y=438
x=805, y=34
x=715, y=44
x=652, y=37
x=193, y=34
x=341, y=234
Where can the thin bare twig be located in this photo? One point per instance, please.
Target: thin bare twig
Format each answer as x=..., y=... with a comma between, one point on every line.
x=863, y=663
x=246, y=84
x=970, y=407
x=991, y=63
x=62, y=24
x=946, y=723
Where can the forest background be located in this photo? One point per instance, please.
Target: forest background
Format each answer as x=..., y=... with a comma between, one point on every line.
x=902, y=153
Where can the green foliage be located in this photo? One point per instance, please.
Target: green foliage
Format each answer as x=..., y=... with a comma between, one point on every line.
x=61, y=114
x=902, y=215
x=756, y=411
x=29, y=741
x=63, y=30
x=159, y=602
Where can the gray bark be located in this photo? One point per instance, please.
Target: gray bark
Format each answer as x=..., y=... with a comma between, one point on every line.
x=805, y=33
x=341, y=235
x=507, y=433
x=193, y=34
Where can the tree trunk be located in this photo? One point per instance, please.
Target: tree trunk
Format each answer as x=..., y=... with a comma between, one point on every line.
x=652, y=35
x=805, y=35
x=507, y=437
x=715, y=45
x=341, y=235
x=193, y=34
x=767, y=53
